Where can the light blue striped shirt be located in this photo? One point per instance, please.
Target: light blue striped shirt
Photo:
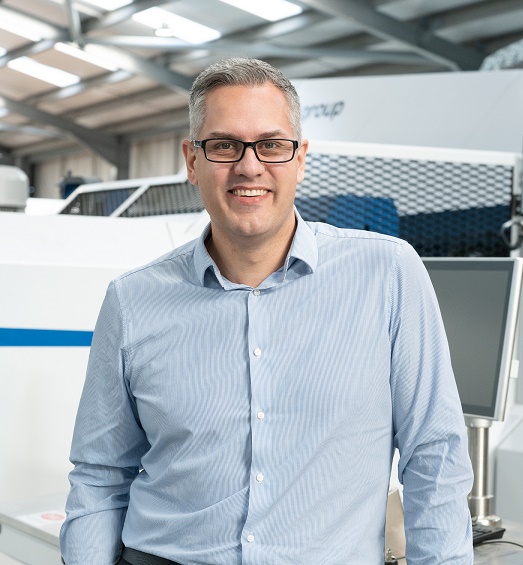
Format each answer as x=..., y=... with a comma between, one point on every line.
x=221, y=424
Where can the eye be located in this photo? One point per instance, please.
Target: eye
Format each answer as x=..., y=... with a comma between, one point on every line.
x=223, y=146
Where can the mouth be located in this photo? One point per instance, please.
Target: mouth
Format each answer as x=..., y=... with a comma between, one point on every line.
x=249, y=192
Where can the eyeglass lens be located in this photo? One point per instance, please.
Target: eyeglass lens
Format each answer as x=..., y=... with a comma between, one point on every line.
x=271, y=150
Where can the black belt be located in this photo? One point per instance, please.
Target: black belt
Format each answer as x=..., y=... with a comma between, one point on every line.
x=136, y=557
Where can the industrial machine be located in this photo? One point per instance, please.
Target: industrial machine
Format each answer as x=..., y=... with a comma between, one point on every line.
x=55, y=268
x=14, y=189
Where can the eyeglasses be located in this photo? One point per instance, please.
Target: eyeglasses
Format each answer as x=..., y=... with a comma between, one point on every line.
x=220, y=150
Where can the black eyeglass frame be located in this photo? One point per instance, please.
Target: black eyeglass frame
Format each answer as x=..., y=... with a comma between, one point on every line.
x=203, y=142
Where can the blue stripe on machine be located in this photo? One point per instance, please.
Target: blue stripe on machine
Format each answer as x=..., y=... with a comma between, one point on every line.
x=14, y=337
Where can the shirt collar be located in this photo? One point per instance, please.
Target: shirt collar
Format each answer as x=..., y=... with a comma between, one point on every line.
x=302, y=258
x=202, y=259
x=304, y=248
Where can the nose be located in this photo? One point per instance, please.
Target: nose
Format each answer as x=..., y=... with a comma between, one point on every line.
x=249, y=166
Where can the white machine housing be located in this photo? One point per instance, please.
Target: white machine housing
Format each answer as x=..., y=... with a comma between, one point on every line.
x=14, y=189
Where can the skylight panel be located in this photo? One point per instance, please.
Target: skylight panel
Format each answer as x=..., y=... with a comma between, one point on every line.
x=180, y=27
x=70, y=49
x=24, y=26
x=46, y=73
x=272, y=10
x=108, y=4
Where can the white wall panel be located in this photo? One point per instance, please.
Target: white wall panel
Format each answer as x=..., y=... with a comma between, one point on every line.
x=156, y=156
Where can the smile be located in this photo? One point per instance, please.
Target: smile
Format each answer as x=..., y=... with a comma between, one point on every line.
x=246, y=192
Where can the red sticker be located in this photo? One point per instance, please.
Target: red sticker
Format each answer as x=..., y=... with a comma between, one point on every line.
x=55, y=516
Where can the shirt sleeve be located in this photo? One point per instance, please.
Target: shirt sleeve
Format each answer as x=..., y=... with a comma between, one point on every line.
x=107, y=446
x=429, y=426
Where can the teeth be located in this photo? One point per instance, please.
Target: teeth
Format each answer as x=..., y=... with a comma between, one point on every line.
x=245, y=192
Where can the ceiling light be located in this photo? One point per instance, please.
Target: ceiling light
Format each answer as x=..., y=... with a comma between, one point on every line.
x=43, y=72
x=271, y=10
x=164, y=31
x=73, y=51
x=24, y=26
x=2, y=51
x=185, y=29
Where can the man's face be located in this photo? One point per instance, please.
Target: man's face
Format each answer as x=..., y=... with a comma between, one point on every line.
x=248, y=201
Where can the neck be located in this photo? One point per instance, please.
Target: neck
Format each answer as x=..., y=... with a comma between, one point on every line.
x=248, y=262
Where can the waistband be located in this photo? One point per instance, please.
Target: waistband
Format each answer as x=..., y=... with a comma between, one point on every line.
x=136, y=557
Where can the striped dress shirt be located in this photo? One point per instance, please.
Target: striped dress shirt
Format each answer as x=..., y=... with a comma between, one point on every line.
x=223, y=424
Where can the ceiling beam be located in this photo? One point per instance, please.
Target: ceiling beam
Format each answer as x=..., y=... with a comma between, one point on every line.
x=258, y=35
x=278, y=29
x=161, y=123
x=99, y=142
x=30, y=130
x=41, y=152
x=145, y=67
x=475, y=13
x=172, y=122
x=274, y=29
x=146, y=96
x=127, y=61
x=452, y=55
x=57, y=33
x=176, y=80
x=79, y=88
x=31, y=49
x=260, y=49
x=75, y=24
x=118, y=16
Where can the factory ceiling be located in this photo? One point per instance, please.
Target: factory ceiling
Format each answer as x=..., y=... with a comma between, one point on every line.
x=127, y=66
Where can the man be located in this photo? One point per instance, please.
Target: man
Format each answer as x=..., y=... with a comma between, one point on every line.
x=245, y=392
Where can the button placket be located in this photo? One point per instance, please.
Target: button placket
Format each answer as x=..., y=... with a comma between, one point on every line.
x=257, y=342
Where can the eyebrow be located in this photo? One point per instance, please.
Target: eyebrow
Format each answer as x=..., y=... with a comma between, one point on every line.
x=278, y=133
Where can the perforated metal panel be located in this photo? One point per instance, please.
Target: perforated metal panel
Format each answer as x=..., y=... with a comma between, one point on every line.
x=176, y=198
x=441, y=208
x=443, y=203
x=99, y=203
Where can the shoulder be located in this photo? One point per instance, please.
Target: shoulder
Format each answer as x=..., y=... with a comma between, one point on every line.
x=368, y=252
x=328, y=236
x=326, y=232
x=177, y=265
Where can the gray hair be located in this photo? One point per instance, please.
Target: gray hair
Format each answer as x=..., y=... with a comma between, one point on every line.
x=244, y=72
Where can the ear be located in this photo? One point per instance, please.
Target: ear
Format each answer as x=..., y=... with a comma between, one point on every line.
x=301, y=154
x=189, y=152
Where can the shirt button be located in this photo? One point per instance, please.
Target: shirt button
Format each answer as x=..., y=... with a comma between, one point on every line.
x=250, y=538
x=256, y=292
x=260, y=415
x=259, y=477
x=257, y=352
